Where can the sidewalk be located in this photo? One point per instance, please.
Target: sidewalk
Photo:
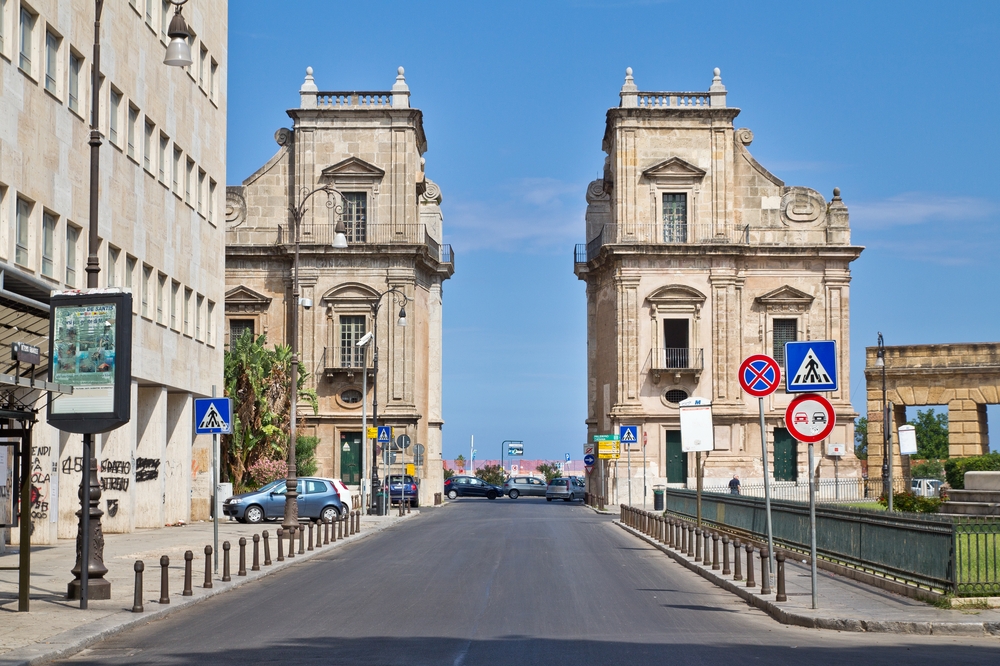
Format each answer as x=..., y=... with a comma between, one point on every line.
x=844, y=604
x=56, y=626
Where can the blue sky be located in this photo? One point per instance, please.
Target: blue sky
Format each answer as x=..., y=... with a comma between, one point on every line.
x=894, y=102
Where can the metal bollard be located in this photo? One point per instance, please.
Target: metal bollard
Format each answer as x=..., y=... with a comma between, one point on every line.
x=188, y=557
x=357, y=521
x=708, y=537
x=225, y=562
x=256, y=553
x=725, y=555
x=340, y=526
x=333, y=528
x=311, y=535
x=137, y=599
x=267, y=548
x=690, y=531
x=281, y=545
x=164, y=580
x=291, y=541
x=780, y=557
x=697, y=544
x=765, y=585
x=354, y=520
x=622, y=517
x=750, y=580
x=737, y=574
x=242, y=571
x=684, y=540
x=326, y=531
x=208, y=567
x=715, y=550
x=302, y=539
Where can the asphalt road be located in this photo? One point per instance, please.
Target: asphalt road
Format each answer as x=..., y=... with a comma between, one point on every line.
x=502, y=582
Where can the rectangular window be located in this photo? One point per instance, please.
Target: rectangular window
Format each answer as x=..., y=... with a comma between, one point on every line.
x=199, y=306
x=27, y=33
x=675, y=343
x=211, y=200
x=213, y=76
x=3, y=26
x=202, y=64
x=113, y=254
x=129, y=271
x=209, y=314
x=177, y=170
x=164, y=18
x=187, y=312
x=161, y=287
x=75, y=65
x=785, y=330
x=51, y=61
x=149, y=12
x=201, y=190
x=175, y=292
x=48, y=244
x=72, y=238
x=133, y=120
x=113, y=113
x=164, y=144
x=352, y=329
x=188, y=177
x=147, y=146
x=675, y=218
x=356, y=216
x=23, y=230
x=147, y=274
x=237, y=327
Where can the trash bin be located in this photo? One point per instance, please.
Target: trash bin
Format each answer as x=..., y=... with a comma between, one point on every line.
x=380, y=508
x=658, y=498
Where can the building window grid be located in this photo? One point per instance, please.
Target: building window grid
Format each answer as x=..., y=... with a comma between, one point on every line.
x=130, y=263
x=164, y=18
x=202, y=64
x=22, y=231
x=201, y=190
x=209, y=314
x=352, y=329
x=187, y=311
x=113, y=112
x=356, y=216
x=149, y=12
x=175, y=290
x=162, y=167
x=199, y=307
x=161, y=285
x=188, y=177
x=177, y=170
x=675, y=217
x=27, y=31
x=51, y=61
x=75, y=65
x=48, y=244
x=212, y=76
x=113, y=254
x=147, y=273
x=783, y=330
x=147, y=146
x=133, y=120
x=72, y=238
x=211, y=200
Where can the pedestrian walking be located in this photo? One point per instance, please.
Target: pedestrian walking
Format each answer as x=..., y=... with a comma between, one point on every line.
x=734, y=485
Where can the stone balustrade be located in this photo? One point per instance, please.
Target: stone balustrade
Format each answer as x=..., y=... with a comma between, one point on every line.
x=354, y=99
x=662, y=100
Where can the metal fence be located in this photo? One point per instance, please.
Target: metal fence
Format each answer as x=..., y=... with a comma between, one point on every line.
x=847, y=491
x=977, y=555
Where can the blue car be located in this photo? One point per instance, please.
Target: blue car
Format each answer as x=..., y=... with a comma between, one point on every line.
x=317, y=499
x=404, y=487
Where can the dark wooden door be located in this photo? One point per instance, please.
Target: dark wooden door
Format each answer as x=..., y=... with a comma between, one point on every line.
x=677, y=460
x=350, y=457
x=786, y=456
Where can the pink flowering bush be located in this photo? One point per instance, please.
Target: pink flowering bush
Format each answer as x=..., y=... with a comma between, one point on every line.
x=266, y=470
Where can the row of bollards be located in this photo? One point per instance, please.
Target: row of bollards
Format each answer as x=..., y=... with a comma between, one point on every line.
x=335, y=528
x=703, y=545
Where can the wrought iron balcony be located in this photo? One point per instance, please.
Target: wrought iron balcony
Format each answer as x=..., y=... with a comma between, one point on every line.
x=676, y=361
x=343, y=361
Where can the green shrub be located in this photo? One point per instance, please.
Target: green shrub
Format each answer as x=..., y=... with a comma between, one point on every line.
x=928, y=469
x=910, y=503
x=305, y=455
x=956, y=468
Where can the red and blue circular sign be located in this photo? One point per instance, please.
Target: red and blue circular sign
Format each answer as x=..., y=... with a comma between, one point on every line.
x=760, y=375
x=810, y=417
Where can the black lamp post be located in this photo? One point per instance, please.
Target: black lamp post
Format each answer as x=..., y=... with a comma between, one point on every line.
x=379, y=501
x=291, y=518
x=886, y=431
x=89, y=532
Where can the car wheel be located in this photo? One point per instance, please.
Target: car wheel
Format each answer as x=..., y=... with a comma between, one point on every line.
x=329, y=514
x=254, y=514
x=513, y=494
x=452, y=494
x=491, y=495
x=414, y=503
x=548, y=499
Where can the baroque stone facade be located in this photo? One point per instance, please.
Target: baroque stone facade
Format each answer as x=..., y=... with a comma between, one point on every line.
x=697, y=257
x=162, y=166
x=368, y=147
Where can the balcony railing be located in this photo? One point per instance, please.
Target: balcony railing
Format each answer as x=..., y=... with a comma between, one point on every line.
x=343, y=360
x=660, y=234
x=672, y=358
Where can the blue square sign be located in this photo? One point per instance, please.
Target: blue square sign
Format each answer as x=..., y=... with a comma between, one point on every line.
x=213, y=416
x=628, y=435
x=811, y=366
x=384, y=434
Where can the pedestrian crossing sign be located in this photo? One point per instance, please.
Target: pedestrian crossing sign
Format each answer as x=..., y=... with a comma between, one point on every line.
x=811, y=366
x=628, y=435
x=384, y=434
x=213, y=416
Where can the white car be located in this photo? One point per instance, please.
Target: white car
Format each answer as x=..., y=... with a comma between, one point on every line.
x=346, y=498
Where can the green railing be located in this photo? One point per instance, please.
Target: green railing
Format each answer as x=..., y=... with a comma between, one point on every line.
x=977, y=553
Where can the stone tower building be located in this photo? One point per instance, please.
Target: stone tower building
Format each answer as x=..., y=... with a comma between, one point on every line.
x=367, y=146
x=697, y=257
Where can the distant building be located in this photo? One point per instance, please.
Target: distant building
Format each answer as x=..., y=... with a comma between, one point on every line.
x=697, y=257
x=368, y=146
x=161, y=204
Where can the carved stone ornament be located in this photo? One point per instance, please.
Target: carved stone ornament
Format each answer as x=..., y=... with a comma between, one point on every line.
x=283, y=136
x=785, y=299
x=595, y=192
x=744, y=136
x=803, y=205
x=236, y=207
x=431, y=193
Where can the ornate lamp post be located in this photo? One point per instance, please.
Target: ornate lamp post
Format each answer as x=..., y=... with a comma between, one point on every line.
x=291, y=519
x=90, y=536
x=379, y=501
x=886, y=428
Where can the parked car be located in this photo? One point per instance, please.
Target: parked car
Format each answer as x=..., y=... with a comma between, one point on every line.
x=470, y=486
x=345, y=494
x=317, y=498
x=528, y=486
x=926, y=487
x=403, y=487
x=565, y=488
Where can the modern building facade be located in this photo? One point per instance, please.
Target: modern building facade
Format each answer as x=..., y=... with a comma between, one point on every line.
x=698, y=257
x=162, y=171
x=367, y=148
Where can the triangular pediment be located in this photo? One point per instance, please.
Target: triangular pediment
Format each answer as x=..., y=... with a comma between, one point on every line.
x=785, y=295
x=676, y=293
x=355, y=168
x=674, y=168
x=244, y=299
x=351, y=292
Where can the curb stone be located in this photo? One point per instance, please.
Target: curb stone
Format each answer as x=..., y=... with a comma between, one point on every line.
x=73, y=640
x=785, y=616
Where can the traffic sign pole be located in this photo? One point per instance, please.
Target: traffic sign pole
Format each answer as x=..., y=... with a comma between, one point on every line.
x=812, y=524
x=767, y=491
x=215, y=493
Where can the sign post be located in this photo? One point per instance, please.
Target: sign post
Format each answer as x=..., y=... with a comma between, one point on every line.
x=214, y=416
x=629, y=435
x=697, y=434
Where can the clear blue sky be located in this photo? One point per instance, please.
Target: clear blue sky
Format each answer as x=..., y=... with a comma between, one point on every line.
x=896, y=103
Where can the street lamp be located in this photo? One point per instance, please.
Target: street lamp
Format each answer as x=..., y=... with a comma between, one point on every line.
x=378, y=505
x=179, y=49
x=886, y=432
x=91, y=560
x=291, y=519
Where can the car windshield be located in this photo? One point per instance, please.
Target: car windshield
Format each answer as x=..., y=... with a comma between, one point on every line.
x=395, y=478
x=271, y=486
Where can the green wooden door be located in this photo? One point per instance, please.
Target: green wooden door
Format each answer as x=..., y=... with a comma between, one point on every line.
x=677, y=460
x=350, y=457
x=786, y=456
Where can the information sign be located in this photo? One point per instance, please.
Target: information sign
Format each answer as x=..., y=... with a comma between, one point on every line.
x=810, y=417
x=907, y=440
x=697, y=431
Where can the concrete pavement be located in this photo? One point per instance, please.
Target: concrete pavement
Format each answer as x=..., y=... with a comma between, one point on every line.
x=56, y=626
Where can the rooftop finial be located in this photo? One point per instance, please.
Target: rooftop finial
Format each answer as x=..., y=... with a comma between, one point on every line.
x=836, y=194
x=309, y=85
x=717, y=92
x=629, y=92
x=400, y=91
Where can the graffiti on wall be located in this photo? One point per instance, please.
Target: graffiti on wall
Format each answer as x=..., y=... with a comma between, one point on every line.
x=115, y=474
x=39, y=478
x=146, y=469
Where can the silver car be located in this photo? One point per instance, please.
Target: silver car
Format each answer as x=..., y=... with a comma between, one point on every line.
x=528, y=486
x=565, y=488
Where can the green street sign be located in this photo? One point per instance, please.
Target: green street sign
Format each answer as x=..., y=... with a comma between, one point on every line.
x=605, y=438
